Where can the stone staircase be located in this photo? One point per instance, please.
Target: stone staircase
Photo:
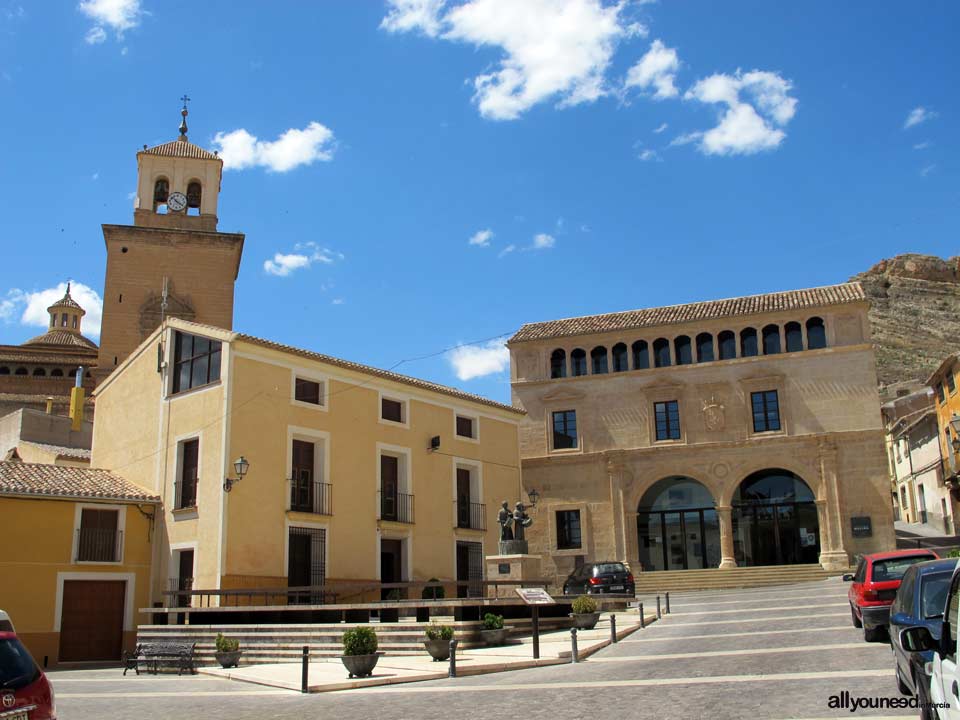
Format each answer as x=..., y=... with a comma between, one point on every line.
x=716, y=579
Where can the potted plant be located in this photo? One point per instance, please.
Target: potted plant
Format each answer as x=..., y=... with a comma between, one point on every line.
x=360, y=651
x=494, y=633
x=438, y=641
x=585, y=615
x=227, y=651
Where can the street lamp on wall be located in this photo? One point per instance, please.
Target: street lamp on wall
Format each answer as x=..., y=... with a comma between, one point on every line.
x=534, y=497
x=240, y=466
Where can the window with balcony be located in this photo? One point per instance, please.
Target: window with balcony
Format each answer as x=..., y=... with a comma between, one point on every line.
x=565, y=430
x=568, y=530
x=667, y=419
x=470, y=512
x=766, y=411
x=186, y=483
x=395, y=504
x=98, y=537
x=196, y=361
x=308, y=492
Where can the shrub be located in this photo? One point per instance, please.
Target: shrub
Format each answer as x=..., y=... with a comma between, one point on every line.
x=439, y=632
x=359, y=641
x=433, y=593
x=225, y=644
x=584, y=605
x=955, y=553
x=492, y=622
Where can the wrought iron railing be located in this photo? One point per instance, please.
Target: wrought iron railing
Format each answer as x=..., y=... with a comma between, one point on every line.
x=311, y=497
x=99, y=545
x=397, y=507
x=181, y=590
x=471, y=515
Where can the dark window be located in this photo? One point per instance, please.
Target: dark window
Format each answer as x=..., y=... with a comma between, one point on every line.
x=568, y=530
x=748, y=342
x=558, y=363
x=951, y=383
x=683, y=351
x=161, y=190
x=705, y=347
x=794, y=334
x=56, y=372
x=63, y=319
x=598, y=358
x=893, y=569
x=21, y=371
x=53, y=319
x=667, y=415
x=766, y=411
x=620, y=358
x=189, y=469
x=4, y=370
x=74, y=322
x=194, y=194
x=816, y=334
x=302, y=468
x=564, y=430
x=39, y=372
x=308, y=391
x=661, y=352
x=933, y=594
x=771, y=340
x=728, y=345
x=578, y=358
x=465, y=427
x=196, y=361
x=941, y=395
x=641, y=355
x=391, y=410
x=97, y=538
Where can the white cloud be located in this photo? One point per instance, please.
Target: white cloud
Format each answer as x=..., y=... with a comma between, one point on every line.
x=746, y=126
x=408, y=15
x=551, y=48
x=481, y=238
x=660, y=129
x=337, y=301
x=116, y=15
x=542, y=241
x=926, y=170
x=918, y=115
x=686, y=139
x=239, y=149
x=923, y=146
x=31, y=307
x=304, y=255
x=506, y=251
x=649, y=155
x=657, y=70
x=95, y=176
x=473, y=361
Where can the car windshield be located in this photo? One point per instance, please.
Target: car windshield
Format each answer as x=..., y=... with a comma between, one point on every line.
x=894, y=568
x=17, y=668
x=933, y=594
x=608, y=568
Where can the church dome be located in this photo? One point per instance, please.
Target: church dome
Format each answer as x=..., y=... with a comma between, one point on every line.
x=63, y=338
x=65, y=320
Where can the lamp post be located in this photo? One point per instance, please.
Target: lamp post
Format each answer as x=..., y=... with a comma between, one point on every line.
x=534, y=497
x=240, y=466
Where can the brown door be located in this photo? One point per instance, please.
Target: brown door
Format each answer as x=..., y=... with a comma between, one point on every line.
x=91, y=620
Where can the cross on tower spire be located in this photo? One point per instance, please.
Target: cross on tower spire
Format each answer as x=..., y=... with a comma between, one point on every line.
x=183, y=115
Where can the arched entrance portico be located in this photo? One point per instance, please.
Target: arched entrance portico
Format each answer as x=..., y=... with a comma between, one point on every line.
x=775, y=520
x=677, y=526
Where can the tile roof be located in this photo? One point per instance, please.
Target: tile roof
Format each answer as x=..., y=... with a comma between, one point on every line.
x=181, y=148
x=61, y=450
x=62, y=338
x=59, y=354
x=690, y=312
x=19, y=478
x=68, y=301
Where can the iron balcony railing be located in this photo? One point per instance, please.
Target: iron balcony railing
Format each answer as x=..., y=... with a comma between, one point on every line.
x=185, y=494
x=98, y=545
x=397, y=507
x=181, y=589
x=471, y=515
x=311, y=497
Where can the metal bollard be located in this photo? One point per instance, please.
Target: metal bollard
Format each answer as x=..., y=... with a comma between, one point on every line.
x=573, y=646
x=613, y=628
x=305, y=670
x=643, y=623
x=658, y=608
x=452, y=672
x=668, y=603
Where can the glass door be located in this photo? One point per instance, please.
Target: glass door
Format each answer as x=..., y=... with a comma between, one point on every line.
x=675, y=546
x=693, y=538
x=650, y=532
x=766, y=539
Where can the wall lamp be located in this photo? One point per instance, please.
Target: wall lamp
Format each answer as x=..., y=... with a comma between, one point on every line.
x=240, y=466
x=534, y=497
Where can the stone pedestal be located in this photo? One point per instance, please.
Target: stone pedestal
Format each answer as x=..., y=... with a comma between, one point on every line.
x=834, y=560
x=511, y=567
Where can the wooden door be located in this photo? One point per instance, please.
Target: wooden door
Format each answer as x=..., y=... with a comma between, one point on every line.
x=91, y=620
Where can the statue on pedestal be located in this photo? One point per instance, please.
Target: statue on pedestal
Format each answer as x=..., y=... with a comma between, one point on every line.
x=512, y=527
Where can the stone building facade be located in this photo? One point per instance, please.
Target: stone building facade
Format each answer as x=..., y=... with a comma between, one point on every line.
x=713, y=434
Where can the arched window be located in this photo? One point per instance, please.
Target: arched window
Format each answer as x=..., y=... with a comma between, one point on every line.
x=4, y=370
x=794, y=336
x=558, y=363
x=661, y=352
x=772, y=505
x=39, y=372
x=668, y=506
x=64, y=318
x=598, y=359
x=748, y=342
x=75, y=321
x=816, y=334
x=194, y=195
x=578, y=359
x=682, y=350
x=56, y=372
x=21, y=371
x=705, y=348
x=620, y=362
x=641, y=355
x=728, y=345
x=161, y=191
x=771, y=340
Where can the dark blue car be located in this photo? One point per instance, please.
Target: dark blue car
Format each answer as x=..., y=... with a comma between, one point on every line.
x=919, y=601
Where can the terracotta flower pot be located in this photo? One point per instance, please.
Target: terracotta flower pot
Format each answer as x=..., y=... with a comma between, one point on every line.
x=360, y=665
x=438, y=649
x=585, y=621
x=229, y=659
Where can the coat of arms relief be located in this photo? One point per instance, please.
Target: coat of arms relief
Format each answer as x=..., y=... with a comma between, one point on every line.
x=713, y=414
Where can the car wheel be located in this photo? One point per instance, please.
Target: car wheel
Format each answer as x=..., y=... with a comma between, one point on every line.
x=901, y=685
x=872, y=634
x=856, y=621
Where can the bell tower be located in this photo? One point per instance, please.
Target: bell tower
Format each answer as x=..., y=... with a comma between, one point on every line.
x=172, y=261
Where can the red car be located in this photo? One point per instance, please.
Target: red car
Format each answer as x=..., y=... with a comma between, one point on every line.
x=25, y=692
x=874, y=586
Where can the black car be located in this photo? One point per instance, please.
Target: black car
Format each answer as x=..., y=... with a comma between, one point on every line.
x=601, y=577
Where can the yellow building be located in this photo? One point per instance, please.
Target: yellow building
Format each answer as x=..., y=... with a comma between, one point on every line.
x=355, y=473
x=82, y=565
x=947, y=404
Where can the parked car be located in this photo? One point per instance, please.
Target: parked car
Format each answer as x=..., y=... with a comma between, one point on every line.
x=601, y=577
x=25, y=692
x=919, y=601
x=874, y=586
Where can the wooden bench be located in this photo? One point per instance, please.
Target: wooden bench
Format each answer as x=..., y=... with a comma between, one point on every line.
x=157, y=652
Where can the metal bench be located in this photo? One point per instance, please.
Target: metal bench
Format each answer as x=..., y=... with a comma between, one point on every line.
x=154, y=653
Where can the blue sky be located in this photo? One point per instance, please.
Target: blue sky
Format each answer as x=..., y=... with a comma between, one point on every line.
x=602, y=157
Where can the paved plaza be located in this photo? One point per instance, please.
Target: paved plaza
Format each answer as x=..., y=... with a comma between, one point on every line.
x=763, y=653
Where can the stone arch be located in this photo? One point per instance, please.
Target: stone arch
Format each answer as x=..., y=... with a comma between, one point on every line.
x=809, y=475
x=678, y=526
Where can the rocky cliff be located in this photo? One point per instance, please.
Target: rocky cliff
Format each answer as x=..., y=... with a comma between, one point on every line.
x=914, y=315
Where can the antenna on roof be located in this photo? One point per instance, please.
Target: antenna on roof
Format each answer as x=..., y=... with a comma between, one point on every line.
x=163, y=300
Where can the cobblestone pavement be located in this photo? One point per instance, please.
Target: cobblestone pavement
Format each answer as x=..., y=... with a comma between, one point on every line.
x=762, y=653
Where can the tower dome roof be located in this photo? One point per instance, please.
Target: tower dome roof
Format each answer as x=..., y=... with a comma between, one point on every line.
x=67, y=302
